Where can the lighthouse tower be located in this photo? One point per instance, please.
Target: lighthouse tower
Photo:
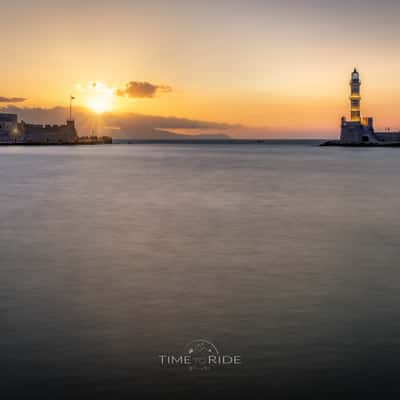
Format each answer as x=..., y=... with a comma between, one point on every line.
x=356, y=130
x=355, y=97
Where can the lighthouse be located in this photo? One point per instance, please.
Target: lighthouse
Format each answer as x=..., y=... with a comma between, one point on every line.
x=357, y=129
x=355, y=97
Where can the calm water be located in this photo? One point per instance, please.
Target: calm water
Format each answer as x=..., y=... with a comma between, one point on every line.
x=286, y=254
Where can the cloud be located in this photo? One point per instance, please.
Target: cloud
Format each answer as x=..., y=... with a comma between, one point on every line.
x=11, y=99
x=127, y=125
x=120, y=125
x=132, y=125
x=137, y=90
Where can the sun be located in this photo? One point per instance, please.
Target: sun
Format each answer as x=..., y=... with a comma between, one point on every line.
x=97, y=97
x=99, y=103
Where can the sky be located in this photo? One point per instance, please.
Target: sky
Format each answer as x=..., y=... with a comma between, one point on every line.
x=272, y=68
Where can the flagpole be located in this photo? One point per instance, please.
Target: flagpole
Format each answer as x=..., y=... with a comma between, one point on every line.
x=70, y=106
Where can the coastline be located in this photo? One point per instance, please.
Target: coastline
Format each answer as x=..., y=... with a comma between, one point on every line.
x=55, y=144
x=338, y=143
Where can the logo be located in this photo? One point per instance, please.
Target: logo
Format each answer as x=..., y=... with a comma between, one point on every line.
x=200, y=355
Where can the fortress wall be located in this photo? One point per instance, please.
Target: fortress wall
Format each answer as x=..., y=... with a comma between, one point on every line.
x=55, y=134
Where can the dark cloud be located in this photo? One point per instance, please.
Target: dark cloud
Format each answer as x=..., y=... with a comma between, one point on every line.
x=132, y=125
x=120, y=125
x=40, y=115
x=11, y=99
x=130, y=121
x=136, y=126
x=137, y=90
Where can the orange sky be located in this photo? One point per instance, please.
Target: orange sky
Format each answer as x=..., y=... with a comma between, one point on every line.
x=280, y=65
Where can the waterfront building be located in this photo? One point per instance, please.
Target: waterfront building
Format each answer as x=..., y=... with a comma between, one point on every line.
x=8, y=127
x=14, y=132
x=359, y=130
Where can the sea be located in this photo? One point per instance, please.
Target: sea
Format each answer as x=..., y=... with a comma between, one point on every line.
x=282, y=256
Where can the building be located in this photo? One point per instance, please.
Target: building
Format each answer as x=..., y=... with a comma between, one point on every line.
x=357, y=129
x=12, y=132
x=48, y=134
x=8, y=127
x=360, y=130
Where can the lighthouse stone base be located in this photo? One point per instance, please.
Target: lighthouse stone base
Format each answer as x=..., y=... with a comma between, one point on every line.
x=357, y=133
